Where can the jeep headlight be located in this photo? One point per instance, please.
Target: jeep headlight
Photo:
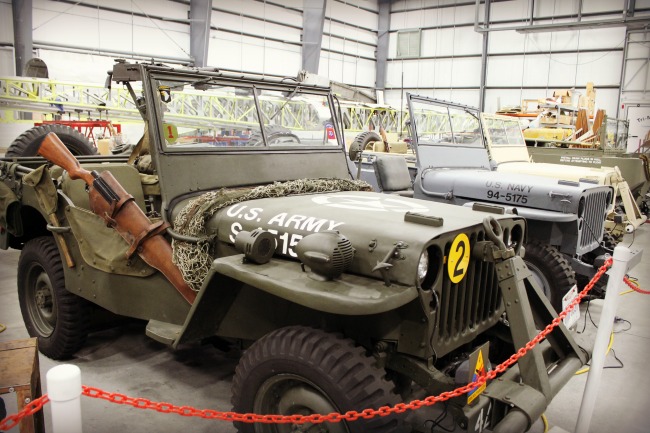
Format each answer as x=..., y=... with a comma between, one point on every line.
x=423, y=266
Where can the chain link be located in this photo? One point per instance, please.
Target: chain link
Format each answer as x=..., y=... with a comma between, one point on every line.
x=142, y=403
x=30, y=409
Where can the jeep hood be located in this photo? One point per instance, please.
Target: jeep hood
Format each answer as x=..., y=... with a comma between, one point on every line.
x=372, y=222
x=518, y=190
x=603, y=176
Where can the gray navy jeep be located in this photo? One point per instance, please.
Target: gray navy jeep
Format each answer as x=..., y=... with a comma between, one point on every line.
x=566, y=219
x=343, y=299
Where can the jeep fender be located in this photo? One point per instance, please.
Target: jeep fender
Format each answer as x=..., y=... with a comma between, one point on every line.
x=530, y=213
x=348, y=295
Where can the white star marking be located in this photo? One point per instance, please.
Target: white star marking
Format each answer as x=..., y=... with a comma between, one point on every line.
x=371, y=203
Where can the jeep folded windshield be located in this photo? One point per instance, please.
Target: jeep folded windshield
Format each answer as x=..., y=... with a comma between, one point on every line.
x=202, y=115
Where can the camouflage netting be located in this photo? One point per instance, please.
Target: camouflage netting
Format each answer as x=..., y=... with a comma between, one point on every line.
x=194, y=259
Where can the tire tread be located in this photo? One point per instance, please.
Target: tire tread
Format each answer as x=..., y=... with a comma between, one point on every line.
x=72, y=325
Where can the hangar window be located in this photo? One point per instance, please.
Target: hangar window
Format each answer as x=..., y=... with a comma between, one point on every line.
x=408, y=43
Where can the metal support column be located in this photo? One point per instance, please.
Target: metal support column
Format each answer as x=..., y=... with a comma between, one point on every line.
x=484, y=58
x=200, y=13
x=621, y=87
x=383, y=26
x=313, y=21
x=23, y=44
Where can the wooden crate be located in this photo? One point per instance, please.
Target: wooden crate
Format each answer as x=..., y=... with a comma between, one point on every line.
x=20, y=374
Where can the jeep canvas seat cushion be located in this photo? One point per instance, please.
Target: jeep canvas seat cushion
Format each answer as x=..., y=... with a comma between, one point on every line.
x=393, y=175
x=125, y=174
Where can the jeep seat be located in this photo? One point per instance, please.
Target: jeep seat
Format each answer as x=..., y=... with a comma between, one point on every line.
x=393, y=175
x=125, y=174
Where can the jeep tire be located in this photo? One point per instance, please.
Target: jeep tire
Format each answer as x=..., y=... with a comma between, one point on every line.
x=56, y=317
x=26, y=143
x=551, y=270
x=365, y=138
x=302, y=371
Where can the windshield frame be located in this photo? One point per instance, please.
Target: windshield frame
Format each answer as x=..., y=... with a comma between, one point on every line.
x=252, y=85
x=472, y=111
x=448, y=155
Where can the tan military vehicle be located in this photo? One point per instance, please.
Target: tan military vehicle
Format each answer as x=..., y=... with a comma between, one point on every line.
x=509, y=154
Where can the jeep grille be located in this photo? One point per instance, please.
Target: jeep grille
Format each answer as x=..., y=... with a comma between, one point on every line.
x=470, y=306
x=593, y=219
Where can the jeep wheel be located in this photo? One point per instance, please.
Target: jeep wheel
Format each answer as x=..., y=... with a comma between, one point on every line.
x=551, y=271
x=58, y=318
x=365, y=138
x=302, y=371
x=26, y=143
x=609, y=242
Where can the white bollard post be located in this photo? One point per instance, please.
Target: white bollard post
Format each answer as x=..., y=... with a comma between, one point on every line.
x=64, y=392
x=622, y=258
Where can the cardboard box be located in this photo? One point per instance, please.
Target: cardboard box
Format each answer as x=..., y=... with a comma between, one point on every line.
x=530, y=106
x=564, y=94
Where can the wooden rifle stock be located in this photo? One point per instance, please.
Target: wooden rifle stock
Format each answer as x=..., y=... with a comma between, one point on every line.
x=110, y=201
x=53, y=149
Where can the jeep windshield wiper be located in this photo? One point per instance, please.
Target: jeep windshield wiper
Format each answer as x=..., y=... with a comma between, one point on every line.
x=289, y=98
x=471, y=114
x=198, y=83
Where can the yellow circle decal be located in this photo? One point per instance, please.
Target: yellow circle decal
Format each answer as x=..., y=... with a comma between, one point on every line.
x=458, y=261
x=171, y=132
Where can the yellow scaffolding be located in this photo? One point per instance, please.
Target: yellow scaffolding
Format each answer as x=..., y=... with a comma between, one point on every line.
x=54, y=97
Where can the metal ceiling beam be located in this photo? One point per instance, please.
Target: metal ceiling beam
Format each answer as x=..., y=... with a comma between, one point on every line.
x=313, y=21
x=383, y=27
x=23, y=43
x=200, y=14
x=628, y=21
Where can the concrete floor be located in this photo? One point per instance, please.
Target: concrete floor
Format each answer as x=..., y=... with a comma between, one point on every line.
x=124, y=360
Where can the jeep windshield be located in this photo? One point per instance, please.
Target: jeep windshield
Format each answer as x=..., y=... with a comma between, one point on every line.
x=505, y=140
x=446, y=135
x=212, y=130
x=502, y=130
x=206, y=114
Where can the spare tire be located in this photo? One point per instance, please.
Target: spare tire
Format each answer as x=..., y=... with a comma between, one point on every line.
x=27, y=143
x=366, y=138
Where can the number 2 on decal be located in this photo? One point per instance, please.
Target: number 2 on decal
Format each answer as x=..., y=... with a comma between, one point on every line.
x=458, y=259
x=460, y=250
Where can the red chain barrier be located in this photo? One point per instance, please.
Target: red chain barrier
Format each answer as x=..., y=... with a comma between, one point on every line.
x=143, y=403
x=635, y=287
x=30, y=409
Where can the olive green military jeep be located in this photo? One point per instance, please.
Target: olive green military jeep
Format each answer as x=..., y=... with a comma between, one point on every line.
x=344, y=299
